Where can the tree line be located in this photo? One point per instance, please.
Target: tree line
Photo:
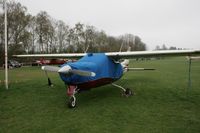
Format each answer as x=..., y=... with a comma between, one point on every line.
x=164, y=47
x=28, y=34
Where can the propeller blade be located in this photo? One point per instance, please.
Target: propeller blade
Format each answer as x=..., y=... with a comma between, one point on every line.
x=50, y=68
x=83, y=73
x=65, y=69
x=68, y=70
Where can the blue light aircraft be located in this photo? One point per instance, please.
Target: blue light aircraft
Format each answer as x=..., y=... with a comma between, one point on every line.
x=97, y=69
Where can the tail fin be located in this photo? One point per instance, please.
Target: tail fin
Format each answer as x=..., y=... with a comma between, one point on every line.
x=125, y=63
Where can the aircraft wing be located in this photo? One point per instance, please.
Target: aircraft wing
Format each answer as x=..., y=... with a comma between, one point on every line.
x=72, y=55
x=119, y=55
x=137, y=54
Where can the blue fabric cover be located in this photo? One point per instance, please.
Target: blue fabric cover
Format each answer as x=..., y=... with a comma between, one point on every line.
x=98, y=63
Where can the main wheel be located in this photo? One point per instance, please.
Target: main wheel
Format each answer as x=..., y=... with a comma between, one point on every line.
x=128, y=92
x=72, y=102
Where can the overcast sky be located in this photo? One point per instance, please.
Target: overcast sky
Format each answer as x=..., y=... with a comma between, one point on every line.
x=157, y=22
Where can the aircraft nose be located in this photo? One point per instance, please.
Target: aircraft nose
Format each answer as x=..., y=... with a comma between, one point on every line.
x=65, y=69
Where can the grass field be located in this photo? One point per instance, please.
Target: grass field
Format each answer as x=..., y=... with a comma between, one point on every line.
x=161, y=104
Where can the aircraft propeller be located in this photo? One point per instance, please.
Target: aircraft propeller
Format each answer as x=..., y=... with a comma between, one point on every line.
x=65, y=70
x=68, y=70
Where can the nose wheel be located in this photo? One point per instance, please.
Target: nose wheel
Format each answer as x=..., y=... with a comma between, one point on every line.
x=71, y=91
x=72, y=102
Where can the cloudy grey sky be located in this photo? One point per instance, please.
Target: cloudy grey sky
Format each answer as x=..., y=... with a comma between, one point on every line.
x=157, y=22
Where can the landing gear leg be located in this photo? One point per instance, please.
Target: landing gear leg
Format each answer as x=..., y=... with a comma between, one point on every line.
x=71, y=91
x=125, y=91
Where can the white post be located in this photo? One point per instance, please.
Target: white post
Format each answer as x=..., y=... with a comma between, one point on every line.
x=6, y=54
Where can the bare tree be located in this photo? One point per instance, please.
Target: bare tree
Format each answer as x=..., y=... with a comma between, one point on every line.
x=79, y=36
x=18, y=21
x=44, y=30
x=62, y=32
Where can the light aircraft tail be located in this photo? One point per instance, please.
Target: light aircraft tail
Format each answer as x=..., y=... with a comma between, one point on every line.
x=125, y=64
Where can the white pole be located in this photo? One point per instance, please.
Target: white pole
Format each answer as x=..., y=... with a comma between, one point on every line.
x=6, y=54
